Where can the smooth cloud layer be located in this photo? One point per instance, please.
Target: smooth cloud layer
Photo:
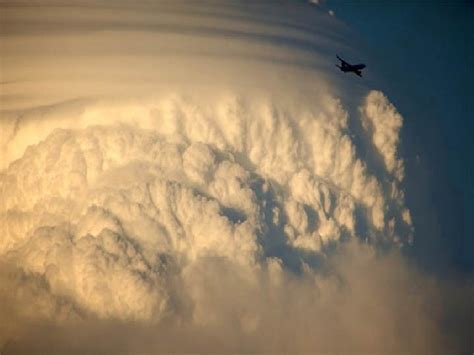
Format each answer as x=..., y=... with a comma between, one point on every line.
x=189, y=181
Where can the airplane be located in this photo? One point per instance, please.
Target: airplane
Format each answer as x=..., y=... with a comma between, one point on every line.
x=346, y=67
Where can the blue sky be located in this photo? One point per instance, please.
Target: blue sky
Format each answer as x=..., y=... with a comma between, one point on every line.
x=422, y=54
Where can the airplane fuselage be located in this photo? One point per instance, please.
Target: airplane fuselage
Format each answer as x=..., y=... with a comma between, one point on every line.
x=346, y=67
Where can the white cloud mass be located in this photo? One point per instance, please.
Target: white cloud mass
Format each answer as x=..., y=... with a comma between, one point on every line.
x=183, y=177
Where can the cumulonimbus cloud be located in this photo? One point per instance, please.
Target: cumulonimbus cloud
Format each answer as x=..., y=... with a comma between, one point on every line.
x=190, y=170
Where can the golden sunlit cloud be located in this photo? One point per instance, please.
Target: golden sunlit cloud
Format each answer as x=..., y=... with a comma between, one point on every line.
x=183, y=176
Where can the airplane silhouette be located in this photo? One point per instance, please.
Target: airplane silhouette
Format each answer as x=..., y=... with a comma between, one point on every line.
x=346, y=67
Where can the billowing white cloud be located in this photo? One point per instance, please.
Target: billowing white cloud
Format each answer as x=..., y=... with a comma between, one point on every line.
x=191, y=170
x=382, y=120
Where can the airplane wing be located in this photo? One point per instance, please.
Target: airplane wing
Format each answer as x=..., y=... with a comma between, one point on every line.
x=343, y=62
x=358, y=66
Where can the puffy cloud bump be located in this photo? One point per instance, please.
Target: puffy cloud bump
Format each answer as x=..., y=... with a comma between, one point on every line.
x=185, y=176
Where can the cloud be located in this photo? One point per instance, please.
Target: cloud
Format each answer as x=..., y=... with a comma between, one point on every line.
x=383, y=121
x=185, y=178
x=368, y=302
